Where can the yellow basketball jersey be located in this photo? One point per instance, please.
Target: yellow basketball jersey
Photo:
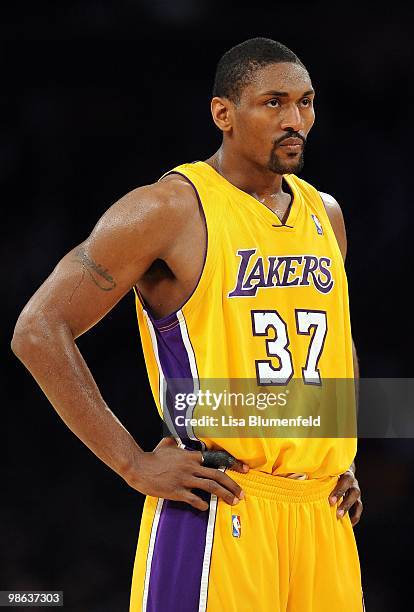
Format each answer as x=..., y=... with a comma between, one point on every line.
x=271, y=306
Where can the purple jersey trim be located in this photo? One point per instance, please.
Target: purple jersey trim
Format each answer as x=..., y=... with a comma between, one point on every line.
x=177, y=562
x=175, y=364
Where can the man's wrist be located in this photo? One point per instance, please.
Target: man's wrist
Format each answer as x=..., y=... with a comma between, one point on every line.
x=352, y=468
x=130, y=467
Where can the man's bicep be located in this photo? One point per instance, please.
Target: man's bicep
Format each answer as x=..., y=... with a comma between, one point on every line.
x=81, y=290
x=89, y=281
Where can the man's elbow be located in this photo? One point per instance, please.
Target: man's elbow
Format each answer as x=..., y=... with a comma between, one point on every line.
x=31, y=331
x=23, y=336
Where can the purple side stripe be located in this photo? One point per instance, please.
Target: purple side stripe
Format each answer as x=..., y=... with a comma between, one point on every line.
x=176, y=367
x=177, y=561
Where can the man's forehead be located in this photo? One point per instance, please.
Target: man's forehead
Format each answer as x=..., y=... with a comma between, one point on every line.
x=284, y=76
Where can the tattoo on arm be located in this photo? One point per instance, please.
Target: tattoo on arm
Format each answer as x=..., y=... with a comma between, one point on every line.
x=98, y=274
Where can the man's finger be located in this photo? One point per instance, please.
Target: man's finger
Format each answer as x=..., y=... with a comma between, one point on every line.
x=214, y=488
x=349, y=500
x=195, y=501
x=240, y=467
x=355, y=512
x=222, y=479
x=222, y=459
x=342, y=486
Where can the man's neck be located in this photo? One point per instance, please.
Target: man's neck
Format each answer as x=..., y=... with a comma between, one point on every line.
x=264, y=186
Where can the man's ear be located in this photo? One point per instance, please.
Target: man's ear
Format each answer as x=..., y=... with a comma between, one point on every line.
x=221, y=111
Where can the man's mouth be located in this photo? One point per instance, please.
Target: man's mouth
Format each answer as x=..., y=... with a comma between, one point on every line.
x=292, y=144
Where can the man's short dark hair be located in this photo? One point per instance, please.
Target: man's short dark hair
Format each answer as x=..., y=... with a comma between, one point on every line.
x=237, y=66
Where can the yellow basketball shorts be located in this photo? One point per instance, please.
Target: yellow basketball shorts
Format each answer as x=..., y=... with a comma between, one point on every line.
x=281, y=549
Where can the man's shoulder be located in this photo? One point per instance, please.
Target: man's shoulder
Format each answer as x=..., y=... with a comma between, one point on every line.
x=333, y=210
x=172, y=195
x=331, y=205
x=328, y=200
x=336, y=218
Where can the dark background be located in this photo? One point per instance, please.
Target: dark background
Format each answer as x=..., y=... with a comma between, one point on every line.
x=100, y=97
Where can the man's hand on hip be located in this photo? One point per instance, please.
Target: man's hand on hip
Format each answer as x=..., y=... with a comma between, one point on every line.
x=347, y=487
x=171, y=472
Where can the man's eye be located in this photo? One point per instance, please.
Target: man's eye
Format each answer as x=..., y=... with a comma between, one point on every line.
x=273, y=103
x=306, y=101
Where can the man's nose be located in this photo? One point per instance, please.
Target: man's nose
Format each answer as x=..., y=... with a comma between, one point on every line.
x=292, y=118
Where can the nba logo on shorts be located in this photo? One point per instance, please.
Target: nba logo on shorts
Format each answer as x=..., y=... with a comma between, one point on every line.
x=236, y=525
x=318, y=224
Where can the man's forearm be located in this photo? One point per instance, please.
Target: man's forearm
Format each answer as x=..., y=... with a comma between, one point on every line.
x=50, y=354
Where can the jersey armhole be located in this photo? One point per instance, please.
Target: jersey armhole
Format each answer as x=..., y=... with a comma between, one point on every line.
x=204, y=278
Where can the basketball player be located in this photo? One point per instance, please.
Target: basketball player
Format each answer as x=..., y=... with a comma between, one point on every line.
x=238, y=270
